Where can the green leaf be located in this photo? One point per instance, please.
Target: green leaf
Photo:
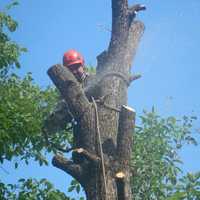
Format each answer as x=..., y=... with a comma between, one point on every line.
x=21, y=180
x=78, y=188
x=71, y=188
x=16, y=165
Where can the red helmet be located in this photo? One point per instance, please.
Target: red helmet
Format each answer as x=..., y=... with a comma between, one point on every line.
x=72, y=57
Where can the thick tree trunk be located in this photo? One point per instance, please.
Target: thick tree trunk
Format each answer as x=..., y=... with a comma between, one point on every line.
x=104, y=176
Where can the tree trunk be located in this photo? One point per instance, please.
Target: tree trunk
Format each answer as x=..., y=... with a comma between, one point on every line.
x=103, y=134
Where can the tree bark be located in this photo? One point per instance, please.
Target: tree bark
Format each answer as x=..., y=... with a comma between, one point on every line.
x=108, y=115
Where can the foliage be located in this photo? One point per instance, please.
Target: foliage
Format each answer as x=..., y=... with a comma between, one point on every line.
x=31, y=189
x=155, y=161
x=23, y=104
x=10, y=51
x=23, y=107
x=76, y=187
x=188, y=188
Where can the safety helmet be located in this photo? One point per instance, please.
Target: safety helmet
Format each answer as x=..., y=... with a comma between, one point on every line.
x=72, y=57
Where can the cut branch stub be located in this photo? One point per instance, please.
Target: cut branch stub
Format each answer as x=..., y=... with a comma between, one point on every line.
x=134, y=77
x=120, y=175
x=120, y=182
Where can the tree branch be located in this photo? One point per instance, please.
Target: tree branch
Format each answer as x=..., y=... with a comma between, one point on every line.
x=125, y=132
x=70, y=89
x=133, y=10
x=68, y=166
x=134, y=77
x=89, y=156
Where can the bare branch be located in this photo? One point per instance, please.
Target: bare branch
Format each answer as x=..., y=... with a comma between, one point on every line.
x=70, y=89
x=133, y=10
x=134, y=77
x=68, y=166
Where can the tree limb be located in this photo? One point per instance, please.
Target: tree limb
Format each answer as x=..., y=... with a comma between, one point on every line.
x=70, y=89
x=134, y=77
x=68, y=166
x=133, y=10
x=89, y=156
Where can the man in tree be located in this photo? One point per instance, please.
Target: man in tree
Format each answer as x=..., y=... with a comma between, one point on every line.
x=58, y=119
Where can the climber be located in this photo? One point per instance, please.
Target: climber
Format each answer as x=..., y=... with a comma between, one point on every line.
x=74, y=61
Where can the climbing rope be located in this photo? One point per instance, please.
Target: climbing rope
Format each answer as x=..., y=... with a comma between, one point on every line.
x=100, y=146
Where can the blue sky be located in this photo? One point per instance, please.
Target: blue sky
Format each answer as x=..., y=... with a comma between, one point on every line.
x=168, y=57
